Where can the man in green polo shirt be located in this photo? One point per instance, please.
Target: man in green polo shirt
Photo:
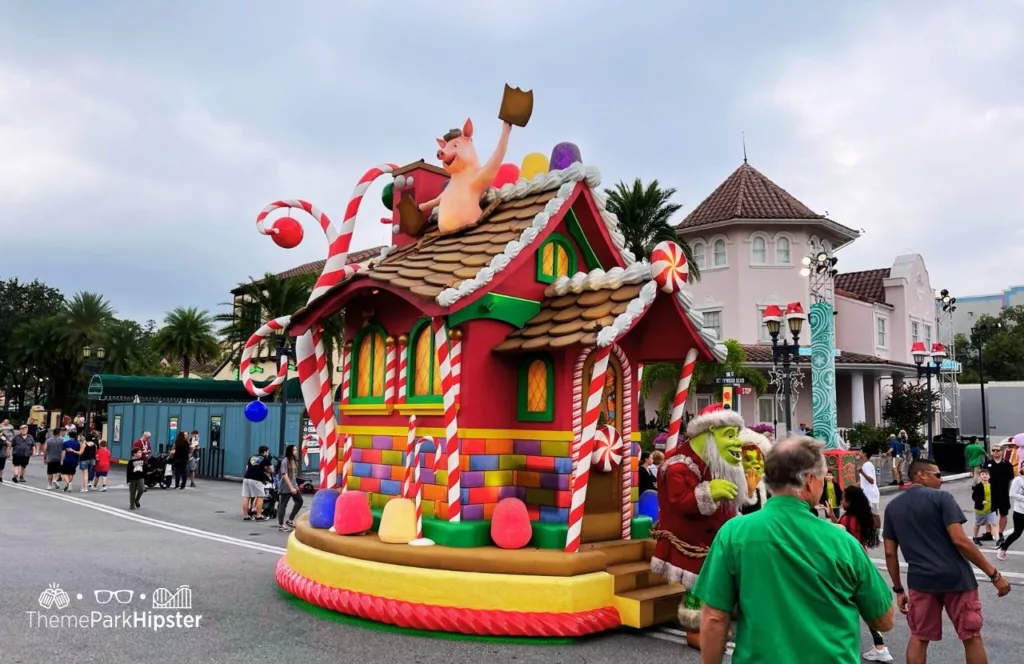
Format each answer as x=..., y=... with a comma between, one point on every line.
x=798, y=584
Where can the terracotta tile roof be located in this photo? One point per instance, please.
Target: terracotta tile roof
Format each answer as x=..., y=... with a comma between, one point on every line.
x=762, y=353
x=571, y=319
x=436, y=262
x=316, y=267
x=747, y=194
x=866, y=285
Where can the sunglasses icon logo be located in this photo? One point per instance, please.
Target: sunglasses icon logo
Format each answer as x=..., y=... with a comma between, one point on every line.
x=105, y=596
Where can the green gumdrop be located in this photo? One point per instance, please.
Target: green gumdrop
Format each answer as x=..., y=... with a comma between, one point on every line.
x=388, y=194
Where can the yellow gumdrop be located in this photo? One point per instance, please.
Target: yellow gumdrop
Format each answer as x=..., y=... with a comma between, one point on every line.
x=398, y=522
x=533, y=165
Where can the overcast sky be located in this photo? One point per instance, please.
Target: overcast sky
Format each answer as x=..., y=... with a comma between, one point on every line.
x=138, y=140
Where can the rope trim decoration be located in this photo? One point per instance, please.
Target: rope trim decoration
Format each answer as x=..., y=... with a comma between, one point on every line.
x=688, y=550
x=434, y=618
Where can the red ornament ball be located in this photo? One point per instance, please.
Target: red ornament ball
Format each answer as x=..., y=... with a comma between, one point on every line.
x=287, y=232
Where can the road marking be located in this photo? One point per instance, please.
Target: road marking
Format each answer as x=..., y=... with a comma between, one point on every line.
x=978, y=574
x=156, y=523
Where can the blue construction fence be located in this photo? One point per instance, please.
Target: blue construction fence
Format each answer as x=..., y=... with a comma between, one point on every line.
x=224, y=432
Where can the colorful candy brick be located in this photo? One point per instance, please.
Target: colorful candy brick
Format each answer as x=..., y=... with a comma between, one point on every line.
x=391, y=457
x=540, y=463
x=362, y=470
x=526, y=447
x=498, y=478
x=483, y=462
x=473, y=446
x=526, y=478
x=362, y=442
x=371, y=456
x=472, y=479
x=554, y=514
x=511, y=462
x=498, y=446
x=554, y=448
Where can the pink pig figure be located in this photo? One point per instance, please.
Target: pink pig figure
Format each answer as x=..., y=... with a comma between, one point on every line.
x=459, y=203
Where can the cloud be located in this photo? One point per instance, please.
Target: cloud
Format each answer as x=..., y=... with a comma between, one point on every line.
x=914, y=131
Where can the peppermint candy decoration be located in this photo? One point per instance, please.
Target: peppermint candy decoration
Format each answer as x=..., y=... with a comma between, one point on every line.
x=668, y=265
x=608, y=449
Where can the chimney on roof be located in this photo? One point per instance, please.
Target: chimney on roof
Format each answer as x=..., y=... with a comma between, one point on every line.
x=420, y=180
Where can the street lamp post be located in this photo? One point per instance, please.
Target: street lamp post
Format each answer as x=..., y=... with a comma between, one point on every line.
x=282, y=361
x=981, y=330
x=929, y=363
x=92, y=364
x=787, y=352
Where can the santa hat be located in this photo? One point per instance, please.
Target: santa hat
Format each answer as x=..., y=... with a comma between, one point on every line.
x=715, y=415
x=755, y=438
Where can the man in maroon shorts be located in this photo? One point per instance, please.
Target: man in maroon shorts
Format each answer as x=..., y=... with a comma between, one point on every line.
x=926, y=524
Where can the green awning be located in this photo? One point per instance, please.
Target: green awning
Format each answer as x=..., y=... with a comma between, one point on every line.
x=111, y=387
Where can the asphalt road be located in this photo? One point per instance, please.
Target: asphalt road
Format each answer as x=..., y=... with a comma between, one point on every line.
x=88, y=542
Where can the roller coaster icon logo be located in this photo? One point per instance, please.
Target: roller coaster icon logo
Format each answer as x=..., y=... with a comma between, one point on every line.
x=181, y=599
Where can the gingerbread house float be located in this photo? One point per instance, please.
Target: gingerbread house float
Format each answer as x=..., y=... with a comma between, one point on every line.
x=511, y=314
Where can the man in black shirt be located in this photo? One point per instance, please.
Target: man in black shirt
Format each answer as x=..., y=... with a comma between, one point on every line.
x=1000, y=472
x=257, y=471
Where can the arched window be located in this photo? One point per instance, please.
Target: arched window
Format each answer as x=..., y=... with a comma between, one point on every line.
x=720, y=255
x=536, y=398
x=424, y=380
x=758, y=250
x=782, y=250
x=556, y=258
x=368, y=367
x=698, y=254
x=813, y=245
x=826, y=247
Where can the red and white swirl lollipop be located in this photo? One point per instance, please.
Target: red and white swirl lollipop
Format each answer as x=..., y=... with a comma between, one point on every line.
x=607, y=449
x=668, y=266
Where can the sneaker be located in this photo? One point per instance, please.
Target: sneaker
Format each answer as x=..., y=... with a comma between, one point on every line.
x=103, y=488
x=246, y=518
x=192, y=485
x=1001, y=554
x=132, y=508
x=67, y=487
x=1000, y=541
x=875, y=655
x=987, y=537
x=976, y=540
x=138, y=505
x=260, y=518
x=284, y=529
x=84, y=489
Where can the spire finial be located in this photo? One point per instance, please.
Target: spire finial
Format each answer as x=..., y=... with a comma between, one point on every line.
x=743, y=138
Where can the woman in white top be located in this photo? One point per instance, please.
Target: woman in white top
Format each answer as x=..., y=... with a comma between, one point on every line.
x=1017, y=498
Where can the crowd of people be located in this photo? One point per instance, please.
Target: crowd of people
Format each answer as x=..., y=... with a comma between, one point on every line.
x=792, y=581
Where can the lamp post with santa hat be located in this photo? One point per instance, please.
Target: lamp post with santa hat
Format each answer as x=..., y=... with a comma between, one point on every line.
x=929, y=363
x=787, y=352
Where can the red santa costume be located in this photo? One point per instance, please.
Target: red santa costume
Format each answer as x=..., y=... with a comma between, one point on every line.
x=689, y=517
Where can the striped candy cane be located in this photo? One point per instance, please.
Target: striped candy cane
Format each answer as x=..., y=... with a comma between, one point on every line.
x=403, y=368
x=410, y=443
x=451, y=421
x=390, y=370
x=675, y=422
x=456, y=337
x=417, y=484
x=627, y=488
x=310, y=354
x=346, y=371
x=582, y=475
x=272, y=328
x=346, y=463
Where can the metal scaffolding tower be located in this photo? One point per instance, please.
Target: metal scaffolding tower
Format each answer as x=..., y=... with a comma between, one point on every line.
x=949, y=388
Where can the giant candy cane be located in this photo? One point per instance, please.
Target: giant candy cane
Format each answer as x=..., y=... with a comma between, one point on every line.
x=675, y=422
x=451, y=421
x=311, y=356
x=590, y=417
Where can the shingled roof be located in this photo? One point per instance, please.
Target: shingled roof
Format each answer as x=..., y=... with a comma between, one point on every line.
x=866, y=285
x=316, y=267
x=762, y=354
x=747, y=194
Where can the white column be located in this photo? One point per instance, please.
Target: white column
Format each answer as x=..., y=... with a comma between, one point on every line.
x=858, y=411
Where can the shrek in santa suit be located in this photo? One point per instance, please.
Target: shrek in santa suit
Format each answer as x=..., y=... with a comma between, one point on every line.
x=700, y=487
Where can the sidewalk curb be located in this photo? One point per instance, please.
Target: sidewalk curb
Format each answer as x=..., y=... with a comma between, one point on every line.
x=956, y=477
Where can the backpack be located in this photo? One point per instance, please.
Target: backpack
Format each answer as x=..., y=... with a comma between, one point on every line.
x=282, y=467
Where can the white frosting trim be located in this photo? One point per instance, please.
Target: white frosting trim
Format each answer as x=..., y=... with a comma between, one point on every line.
x=565, y=182
x=635, y=310
x=598, y=279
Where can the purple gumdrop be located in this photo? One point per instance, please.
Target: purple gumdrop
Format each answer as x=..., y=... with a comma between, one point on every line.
x=564, y=155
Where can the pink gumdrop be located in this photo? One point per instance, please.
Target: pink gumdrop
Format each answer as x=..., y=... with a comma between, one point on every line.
x=507, y=174
x=288, y=232
x=510, y=524
x=352, y=515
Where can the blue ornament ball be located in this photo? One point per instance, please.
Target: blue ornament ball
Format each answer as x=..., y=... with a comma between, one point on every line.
x=321, y=512
x=648, y=505
x=256, y=411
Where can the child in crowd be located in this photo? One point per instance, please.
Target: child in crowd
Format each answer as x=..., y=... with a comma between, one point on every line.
x=984, y=515
x=102, y=466
x=136, y=479
x=859, y=520
x=831, y=497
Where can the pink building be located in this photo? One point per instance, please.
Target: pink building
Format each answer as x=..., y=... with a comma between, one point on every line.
x=749, y=237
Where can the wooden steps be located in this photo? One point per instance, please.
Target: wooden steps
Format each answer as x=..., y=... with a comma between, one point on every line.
x=642, y=598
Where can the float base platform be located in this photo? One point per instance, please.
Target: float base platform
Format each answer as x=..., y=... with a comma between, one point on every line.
x=484, y=591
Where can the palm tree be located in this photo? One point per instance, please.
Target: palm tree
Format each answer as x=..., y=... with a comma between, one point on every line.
x=645, y=215
x=124, y=341
x=188, y=334
x=667, y=375
x=39, y=347
x=259, y=301
x=86, y=317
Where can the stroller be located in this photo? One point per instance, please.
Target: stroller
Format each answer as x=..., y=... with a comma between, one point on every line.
x=270, y=497
x=158, y=471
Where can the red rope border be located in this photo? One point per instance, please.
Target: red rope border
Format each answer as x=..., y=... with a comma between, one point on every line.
x=445, y=618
